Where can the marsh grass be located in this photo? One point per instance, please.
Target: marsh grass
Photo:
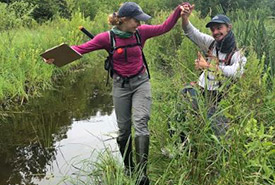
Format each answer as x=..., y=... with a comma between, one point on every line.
x=106, y=169
x=245, y=155
x=23, y=72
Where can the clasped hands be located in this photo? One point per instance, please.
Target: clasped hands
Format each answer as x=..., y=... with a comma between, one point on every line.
x=186, y=9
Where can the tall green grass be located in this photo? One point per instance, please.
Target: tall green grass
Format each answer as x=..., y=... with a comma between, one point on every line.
x=23, y=72
x=257, y=33
x=244, y=156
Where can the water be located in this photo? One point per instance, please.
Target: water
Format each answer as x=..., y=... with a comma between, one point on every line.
x=48, y=139
x=84, y=140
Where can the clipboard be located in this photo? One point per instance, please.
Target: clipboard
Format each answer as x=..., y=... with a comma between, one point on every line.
x=62, y=54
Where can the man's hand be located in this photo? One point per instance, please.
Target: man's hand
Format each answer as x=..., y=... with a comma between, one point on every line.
x=200, y=62
x=186, y=10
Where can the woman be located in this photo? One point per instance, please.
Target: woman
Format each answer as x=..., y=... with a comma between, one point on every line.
x=131, y=85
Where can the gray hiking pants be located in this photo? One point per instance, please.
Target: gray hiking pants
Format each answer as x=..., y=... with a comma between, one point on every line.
x=133, y=101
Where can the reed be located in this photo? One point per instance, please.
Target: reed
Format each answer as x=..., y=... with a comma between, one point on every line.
x=23, y=72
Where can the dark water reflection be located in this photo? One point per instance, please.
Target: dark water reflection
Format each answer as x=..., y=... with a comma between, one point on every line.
x=31, y=137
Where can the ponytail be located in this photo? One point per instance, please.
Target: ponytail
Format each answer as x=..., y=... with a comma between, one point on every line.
x=114, y=19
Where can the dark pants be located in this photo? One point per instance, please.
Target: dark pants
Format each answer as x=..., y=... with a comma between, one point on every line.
x=219, y=122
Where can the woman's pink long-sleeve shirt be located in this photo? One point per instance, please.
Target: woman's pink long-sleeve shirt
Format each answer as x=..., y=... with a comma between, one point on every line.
x=134, y=61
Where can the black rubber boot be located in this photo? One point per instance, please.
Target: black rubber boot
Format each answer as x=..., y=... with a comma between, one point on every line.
x=125, y=148
x=142, y=150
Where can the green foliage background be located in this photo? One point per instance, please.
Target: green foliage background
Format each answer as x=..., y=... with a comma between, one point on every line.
x=244, y=156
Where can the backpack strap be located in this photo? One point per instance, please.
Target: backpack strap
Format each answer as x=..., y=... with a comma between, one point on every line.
x=137, y=34
x=227, y=60
x=211, y=47
x=112, y=41
x=109, y=60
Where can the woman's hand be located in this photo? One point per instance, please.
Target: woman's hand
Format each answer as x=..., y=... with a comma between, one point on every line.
x=186, y=10
x=49, y=61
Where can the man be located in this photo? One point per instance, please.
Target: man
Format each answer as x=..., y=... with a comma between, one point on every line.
x=222, y=60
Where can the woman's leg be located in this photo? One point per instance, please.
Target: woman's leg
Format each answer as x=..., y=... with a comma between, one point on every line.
x=122, y=98
x=142, y=101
